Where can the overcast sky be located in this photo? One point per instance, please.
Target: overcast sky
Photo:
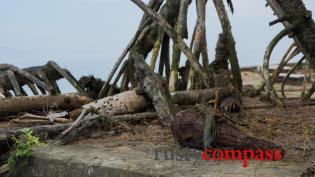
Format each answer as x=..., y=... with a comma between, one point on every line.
x=87, y=36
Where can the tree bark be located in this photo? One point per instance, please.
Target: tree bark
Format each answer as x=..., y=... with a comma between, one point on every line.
x=181, y=29
x=198, y=40
x=123, y=103
x=154, y=87
x=227, y=30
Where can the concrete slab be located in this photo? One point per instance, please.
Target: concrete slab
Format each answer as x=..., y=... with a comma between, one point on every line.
x=98, y=161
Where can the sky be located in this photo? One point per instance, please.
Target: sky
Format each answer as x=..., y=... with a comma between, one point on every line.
x=87, y=36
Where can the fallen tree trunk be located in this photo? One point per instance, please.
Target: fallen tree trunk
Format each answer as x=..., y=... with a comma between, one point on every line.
x=123, y=103
x=17, y=105
x=130, y=102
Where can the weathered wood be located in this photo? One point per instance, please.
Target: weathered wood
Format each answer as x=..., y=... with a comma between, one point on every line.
x=43, y=131
x=271, y=46
x=198, y=42
x=86, y=124
x=294, y=11
x=67, y=75
x=181, y=29
x=75, y=123
x=44, y=77
x=227, y=30
x=146, y=41
x=58, y=119
x=123, y=103
x=199, y=96
x=53, y=130
x=151, y=85
x=154, y=87
x=175, y=36
x=288, y=75
x=285, y=59
x=23, y=76
x=170, y=12
x=130, y=102
x=16, y=105
x=136, y=117
x=156, y=51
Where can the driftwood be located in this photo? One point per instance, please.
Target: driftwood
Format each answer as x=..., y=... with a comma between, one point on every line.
x=294, y=13
x=181, y=29
x=83, y=128
x=288, y=75
x=269, y=85
x=123, y=103
x=198, y=42
x=227, y=31
x=51, y=131
x=26, y=103
x=130, y=102
x=28, y=118
x=167, y=27
x=76, y=122
x=153, y=86
x=8, y=80
x=45, y=77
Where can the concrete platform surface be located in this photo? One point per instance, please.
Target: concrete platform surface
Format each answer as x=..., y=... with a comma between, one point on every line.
x=141, y=160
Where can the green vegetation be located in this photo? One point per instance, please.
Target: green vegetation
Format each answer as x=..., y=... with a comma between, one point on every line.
x=25, y=144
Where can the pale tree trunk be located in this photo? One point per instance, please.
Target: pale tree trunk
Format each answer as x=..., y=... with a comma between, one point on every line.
x=181, y=29
x=199, y=37
x=16, y=105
